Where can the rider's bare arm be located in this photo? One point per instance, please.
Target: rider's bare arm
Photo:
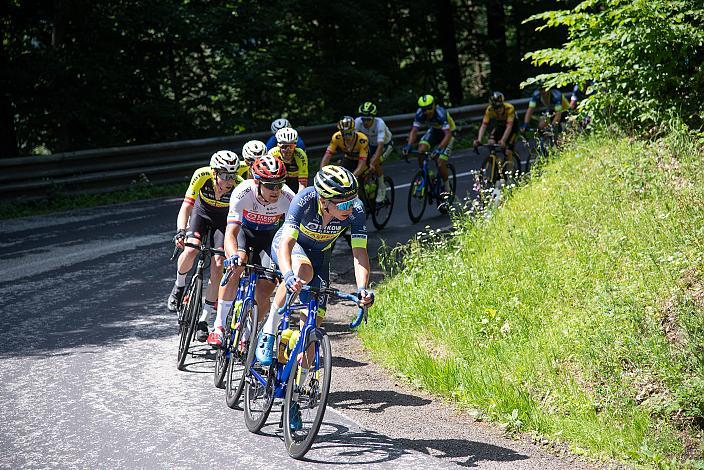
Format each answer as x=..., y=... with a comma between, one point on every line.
x=183, y=215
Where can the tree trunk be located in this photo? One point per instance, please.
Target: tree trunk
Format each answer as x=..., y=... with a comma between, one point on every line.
x=8, y=138
x=448, y=44
x=8, y=135
x=496, y=44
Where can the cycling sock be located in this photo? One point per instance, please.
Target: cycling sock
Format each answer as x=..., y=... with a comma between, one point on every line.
x=302, y=377
x=223, y=308
x=272, y=321
x=180, y=279
x=447, y=186
x=208, y=311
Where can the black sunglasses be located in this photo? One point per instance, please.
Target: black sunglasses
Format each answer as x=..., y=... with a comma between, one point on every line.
x=227, y=176
x=272, y=186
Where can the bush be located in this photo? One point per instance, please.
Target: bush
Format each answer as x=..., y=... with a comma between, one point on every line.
x=645, y=58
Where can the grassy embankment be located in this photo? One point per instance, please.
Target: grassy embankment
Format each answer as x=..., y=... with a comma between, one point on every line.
x=576, y=311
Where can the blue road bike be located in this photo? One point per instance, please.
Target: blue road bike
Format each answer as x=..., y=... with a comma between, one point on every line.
x=427, y=185
x=240, y=327
x=304, y=394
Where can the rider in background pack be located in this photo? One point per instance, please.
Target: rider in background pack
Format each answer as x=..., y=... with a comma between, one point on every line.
x=295, y=159
x=553, y=100
x=380, y=142
x=503, y=117
x=353, y=145
x=278, y=124
x=439, y=136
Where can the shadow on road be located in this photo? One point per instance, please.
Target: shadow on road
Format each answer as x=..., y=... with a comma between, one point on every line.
x=373, y=401
x=338, y=445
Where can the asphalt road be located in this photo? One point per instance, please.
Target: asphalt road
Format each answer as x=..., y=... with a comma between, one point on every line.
x=88, y=376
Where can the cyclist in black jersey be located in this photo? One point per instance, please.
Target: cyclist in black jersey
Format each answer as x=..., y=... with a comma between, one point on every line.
x=204, y=210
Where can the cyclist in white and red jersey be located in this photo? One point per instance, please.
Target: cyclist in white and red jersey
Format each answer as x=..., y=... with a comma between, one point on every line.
x=257, y=207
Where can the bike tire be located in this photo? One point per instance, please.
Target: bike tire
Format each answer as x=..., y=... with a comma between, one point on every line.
x=235, y=378
x=417, y=197
x=188, y=327
x=515, y=170
x=299, y=442
x=452, y=175
x=381, y=211
x=222, y=355
x=255, y=416
x=490, y=169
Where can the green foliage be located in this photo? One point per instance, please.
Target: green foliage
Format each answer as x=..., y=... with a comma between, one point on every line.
x=645, y=58
x=82, y=74
x=575, y=310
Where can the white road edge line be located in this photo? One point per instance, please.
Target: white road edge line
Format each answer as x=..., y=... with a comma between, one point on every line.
x=459, y=175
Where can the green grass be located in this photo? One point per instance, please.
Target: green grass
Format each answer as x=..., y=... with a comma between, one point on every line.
x=576, y=311
x=60, y=202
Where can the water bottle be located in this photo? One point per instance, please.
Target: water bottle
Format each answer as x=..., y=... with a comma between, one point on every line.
x=292, y=343
x=235, y=314
x=283, y=345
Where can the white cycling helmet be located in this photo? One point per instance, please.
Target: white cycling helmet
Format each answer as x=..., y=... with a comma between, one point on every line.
x=225, y=161
x=279, y=124
x=253, y=150
x=286, y=135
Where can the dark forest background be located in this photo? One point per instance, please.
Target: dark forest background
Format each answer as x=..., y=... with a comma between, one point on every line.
x=77, y=74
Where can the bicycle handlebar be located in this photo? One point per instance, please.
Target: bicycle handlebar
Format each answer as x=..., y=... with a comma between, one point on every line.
x=361, y=314
x=212, y=251
x=491, y=147
x=253, y=267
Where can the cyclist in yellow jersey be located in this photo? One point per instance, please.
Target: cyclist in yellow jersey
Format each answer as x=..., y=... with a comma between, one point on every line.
x=295, y=159
x=505, y=130
x=204, y=208
x=353, y=144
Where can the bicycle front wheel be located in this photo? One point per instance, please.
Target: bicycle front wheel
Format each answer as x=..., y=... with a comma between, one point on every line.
x=381, y=211
x=307, y=397
x=245, y=330
x=490, y=169
x=417, y=197
x=512, y=169
x=188, y=317
x=258, y=397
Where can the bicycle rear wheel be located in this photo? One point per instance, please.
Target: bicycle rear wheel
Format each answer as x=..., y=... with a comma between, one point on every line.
x=258, y=397
x=239, y=352
x=188, y=317
x=306, y=399
x=417, y=197
x=381, y=211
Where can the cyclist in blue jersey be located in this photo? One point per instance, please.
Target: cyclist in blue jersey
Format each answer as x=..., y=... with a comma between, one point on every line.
x=276, y=125
x=553, y=100
x=302, y=246
x=439, y=135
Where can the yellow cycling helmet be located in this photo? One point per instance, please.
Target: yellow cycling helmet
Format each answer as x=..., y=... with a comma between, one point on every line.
x=334, y=181
x=426, y=101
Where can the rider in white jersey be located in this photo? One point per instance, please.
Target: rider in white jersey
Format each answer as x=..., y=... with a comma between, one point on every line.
x=380, y=144
x=257, y=207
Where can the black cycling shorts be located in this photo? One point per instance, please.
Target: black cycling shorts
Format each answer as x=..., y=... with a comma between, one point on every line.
x=260, y=243
x=203, y=218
